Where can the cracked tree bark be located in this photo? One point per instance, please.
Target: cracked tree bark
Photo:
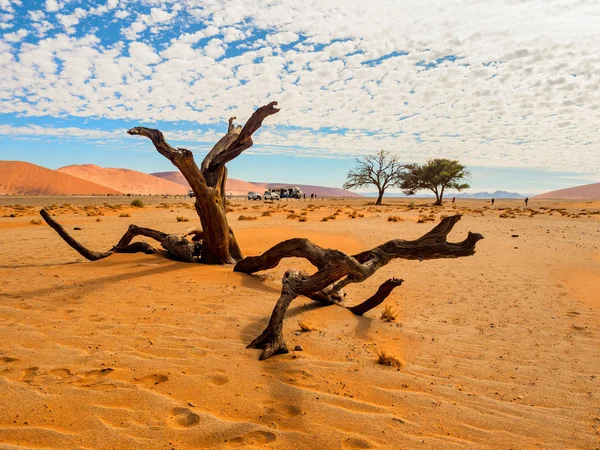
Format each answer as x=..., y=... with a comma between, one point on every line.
x=335, y=270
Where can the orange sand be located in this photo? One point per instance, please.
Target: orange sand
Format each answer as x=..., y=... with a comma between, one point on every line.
x=500, y=349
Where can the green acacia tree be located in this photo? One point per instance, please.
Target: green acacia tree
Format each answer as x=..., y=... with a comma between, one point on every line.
x=436, y=175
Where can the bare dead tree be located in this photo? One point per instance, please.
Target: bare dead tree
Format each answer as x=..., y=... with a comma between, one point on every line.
x=219, y=245
x=335, y=270
x=381, y=170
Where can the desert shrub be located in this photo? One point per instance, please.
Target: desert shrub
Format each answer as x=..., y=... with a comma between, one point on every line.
x=389, y=314
x=411, y=205
x=388, y=360
x=395, y=219
x=137, y=203
x=302, y=219
x=242, y=217
x=182, y=219
x=124, y=215
x=98, y=219
x=266, y=214
x=35, y=222
x=292, y=216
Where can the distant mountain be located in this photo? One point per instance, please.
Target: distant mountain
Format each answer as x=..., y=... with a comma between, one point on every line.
x=495, y=194
x=233, y=187
x=585, y=192
x=308, y=189
x=18, y=177
x=124, y=180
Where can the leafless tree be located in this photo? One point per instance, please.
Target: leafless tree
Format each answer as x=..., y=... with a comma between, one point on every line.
x=381, y=170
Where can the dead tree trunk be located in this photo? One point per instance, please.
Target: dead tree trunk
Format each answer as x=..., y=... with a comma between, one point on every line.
x=335, y=270
x=219, y=245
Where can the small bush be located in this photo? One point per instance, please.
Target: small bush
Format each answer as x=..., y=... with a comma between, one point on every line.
x=266, y=214
x=389, y=314
x=242, y=217
x=411, y=205
x=124, y=215
x=292, y=216
x=303, y=219
x=395, y=219
x=137, y=203
x=98, y=219
x=182, y=219
x=35, y=222
x=388, y=360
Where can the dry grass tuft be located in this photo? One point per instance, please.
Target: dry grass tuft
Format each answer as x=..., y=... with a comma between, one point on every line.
x=305, y=326
x=242, y=217
x=35, y=222
x=266, y=214
x=389, y=314
x=303, y=219
x=124, y=215
x=388, y=360
x=395, y=219
x=182, y=219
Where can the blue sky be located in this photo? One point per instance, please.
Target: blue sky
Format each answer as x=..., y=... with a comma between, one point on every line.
x=511, y=91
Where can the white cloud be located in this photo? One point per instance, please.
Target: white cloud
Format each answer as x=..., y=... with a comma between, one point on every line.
x=52, y=6
x=524, y=93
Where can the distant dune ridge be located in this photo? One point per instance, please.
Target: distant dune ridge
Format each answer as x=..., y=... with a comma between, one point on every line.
x=585, y=192
x=18, y=177
x=89, y=179
x=124, y=180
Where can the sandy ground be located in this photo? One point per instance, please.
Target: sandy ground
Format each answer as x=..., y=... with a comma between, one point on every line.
x=499, y=350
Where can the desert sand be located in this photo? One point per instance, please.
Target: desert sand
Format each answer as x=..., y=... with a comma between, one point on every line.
x=125, y=181
x=25, y=178
x=498, y=350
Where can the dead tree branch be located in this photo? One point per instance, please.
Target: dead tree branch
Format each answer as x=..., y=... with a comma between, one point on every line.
x=336, y=270
x=176, y=247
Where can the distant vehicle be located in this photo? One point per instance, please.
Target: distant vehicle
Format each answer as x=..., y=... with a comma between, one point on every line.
x=191, y=193
x=254, y=196
x=268, y=195
x=288, y=192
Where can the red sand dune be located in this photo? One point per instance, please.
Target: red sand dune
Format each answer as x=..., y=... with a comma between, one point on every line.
x=18, y=177
x=124, y=180
x=587, y=191
x=233, y=187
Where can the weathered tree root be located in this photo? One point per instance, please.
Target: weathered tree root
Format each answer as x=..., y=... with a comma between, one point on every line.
x=177, y=247
x=336, y=270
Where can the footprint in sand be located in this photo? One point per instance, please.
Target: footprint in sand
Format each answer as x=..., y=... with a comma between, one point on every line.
x=153, y=379
x=8, y=359
x=283, y=410
x=253, y=438
x=94, y=379
x=218, y=379
x=184, y=417
x=356, y=443
x=28, y=375
x=62, y=374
